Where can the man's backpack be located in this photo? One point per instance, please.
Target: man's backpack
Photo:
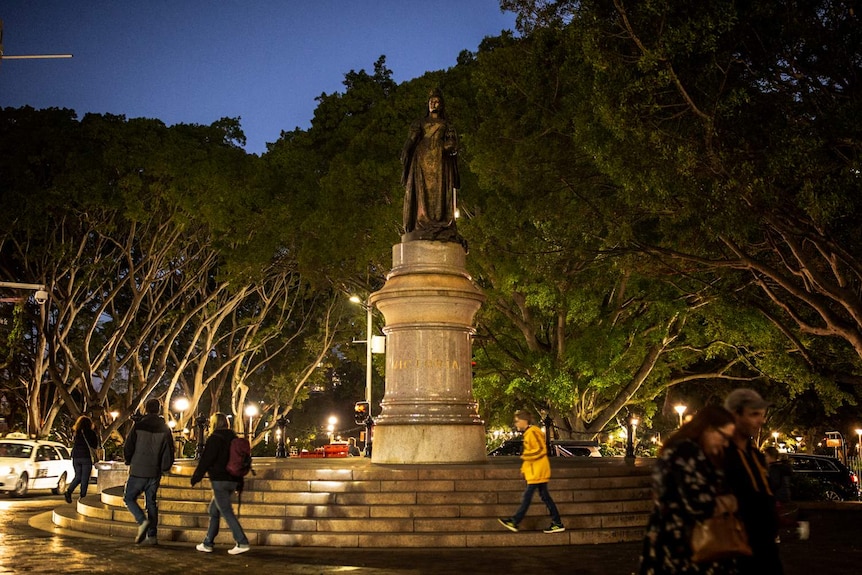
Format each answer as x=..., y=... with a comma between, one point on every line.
x=239, y=461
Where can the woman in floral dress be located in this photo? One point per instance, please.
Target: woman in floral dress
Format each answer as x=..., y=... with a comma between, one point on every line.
x=687, y=488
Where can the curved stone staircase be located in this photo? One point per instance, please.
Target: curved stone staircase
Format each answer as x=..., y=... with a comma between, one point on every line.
x=352, y=502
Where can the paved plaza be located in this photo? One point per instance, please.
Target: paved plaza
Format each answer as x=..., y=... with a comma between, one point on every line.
x=29, y=543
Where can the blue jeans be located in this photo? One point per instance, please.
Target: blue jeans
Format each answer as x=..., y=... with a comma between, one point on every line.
x=546, y=499
x=220, y=506
x=149, y=486
x=83, y=467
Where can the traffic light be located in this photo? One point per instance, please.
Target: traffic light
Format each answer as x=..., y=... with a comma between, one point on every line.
x=361, y=411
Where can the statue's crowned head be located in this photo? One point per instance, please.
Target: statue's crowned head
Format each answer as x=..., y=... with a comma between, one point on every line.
x=436, y=94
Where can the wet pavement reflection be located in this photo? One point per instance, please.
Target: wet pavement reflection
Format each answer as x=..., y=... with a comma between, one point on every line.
x=29, y=543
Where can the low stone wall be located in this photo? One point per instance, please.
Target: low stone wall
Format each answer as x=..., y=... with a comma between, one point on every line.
x=111, y=474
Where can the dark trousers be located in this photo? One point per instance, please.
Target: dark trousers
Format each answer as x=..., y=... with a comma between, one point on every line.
x=542, y=488
x=149, y=486
x=83, y=467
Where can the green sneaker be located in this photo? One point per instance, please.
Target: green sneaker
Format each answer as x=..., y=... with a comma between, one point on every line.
x=509, y=524
x=555, y=528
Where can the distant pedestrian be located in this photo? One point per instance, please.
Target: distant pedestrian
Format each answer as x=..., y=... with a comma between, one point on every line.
x=688, y=487
x=149, y=453
x=213, y=463
x=779, y=474
x=536, y=469
x=84, y=442
x=352, y=449
x=747, y=477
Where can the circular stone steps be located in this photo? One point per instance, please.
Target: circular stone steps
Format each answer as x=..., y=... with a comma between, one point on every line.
x=354, y=503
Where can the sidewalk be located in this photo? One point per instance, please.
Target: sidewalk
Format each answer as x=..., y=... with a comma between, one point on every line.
x=29, y=543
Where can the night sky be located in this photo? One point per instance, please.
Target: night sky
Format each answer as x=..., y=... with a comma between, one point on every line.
x=195, y=61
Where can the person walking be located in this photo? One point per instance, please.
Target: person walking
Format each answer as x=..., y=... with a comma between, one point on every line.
x=213, y=463
x=536, y=469
x=688, y=486
x=748, y=478
x=84, y=443
x=149, y=453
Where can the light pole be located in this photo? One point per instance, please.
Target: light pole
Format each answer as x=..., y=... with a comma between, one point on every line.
x=280, y=448
x=859, y=442
x=373, y=344
x=250, y=411
x=680, y=409
x=330, y=427
x=181, y=404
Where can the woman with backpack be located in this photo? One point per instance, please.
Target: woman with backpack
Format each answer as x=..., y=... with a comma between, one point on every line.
x=214, y=463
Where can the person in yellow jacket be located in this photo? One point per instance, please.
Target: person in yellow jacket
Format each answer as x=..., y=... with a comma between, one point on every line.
x=536, y=469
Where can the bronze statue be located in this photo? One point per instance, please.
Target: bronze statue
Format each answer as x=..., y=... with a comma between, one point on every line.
x=430, y=176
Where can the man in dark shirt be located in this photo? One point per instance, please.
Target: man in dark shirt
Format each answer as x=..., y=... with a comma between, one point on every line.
x=747, y=476
x=149, y=453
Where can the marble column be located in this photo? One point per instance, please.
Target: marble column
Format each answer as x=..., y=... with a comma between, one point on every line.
x=428, y=411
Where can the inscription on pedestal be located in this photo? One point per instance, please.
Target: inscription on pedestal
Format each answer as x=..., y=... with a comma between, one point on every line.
x=450, y=364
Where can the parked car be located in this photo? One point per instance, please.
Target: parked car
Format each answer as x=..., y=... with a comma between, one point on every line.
x=818, y=477
x=559, y=448
x=27, y=464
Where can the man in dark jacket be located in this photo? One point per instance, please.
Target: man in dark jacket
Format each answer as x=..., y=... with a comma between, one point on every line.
x=149, y=453
x=213, y=462
x=746, y=474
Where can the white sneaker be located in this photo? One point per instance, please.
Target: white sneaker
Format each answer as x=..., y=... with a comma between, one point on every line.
x=203, y=547
x=239, y=549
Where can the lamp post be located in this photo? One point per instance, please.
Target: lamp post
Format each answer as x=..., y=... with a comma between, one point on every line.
x=373, y=344
x=250, y=412
x=280, y=448
x=177, y=438
x=680, y=409
x=330, y=427
x=201, y=429
x=859, y=442
x=631, y=427
x=775, y=435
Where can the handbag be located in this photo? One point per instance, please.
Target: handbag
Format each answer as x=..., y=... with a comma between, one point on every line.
x=720, y=537
x=94, y=453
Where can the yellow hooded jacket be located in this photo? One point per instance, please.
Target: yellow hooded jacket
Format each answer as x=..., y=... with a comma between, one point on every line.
x=536, y=467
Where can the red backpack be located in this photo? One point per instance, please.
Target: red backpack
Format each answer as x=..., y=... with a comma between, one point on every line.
x=239, y=461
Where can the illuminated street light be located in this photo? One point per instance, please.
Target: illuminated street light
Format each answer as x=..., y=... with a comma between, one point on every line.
x=181, y=404
x=250, y=411
x=680, y=409
x=859, y=444
x=775, y=437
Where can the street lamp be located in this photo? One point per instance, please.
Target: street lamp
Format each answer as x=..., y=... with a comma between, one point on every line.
x=775, y=437
x=281, y=423
x=373, y=344
x=181, y=404
x=859, y=443
x=631, y=429
x=680, y=409
x=250, y=411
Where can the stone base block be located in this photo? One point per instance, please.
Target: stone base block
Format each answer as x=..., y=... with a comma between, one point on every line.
x=429, y=444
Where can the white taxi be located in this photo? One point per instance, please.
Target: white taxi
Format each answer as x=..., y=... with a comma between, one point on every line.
x=27, y=464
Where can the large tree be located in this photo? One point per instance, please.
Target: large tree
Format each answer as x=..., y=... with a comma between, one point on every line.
x=733, y=128
x=146, y=237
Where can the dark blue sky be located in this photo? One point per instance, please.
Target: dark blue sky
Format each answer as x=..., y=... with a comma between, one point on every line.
x=195, y=61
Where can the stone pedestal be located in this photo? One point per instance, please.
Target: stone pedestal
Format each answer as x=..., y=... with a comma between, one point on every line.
x=428, y=411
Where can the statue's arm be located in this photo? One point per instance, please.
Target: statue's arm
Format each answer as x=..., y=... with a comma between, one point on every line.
x=450, y=141
x=407, y=151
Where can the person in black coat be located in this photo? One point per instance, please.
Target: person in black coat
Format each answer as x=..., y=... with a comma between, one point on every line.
x=149, y=453
x=85, y=440
x=213, y=463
